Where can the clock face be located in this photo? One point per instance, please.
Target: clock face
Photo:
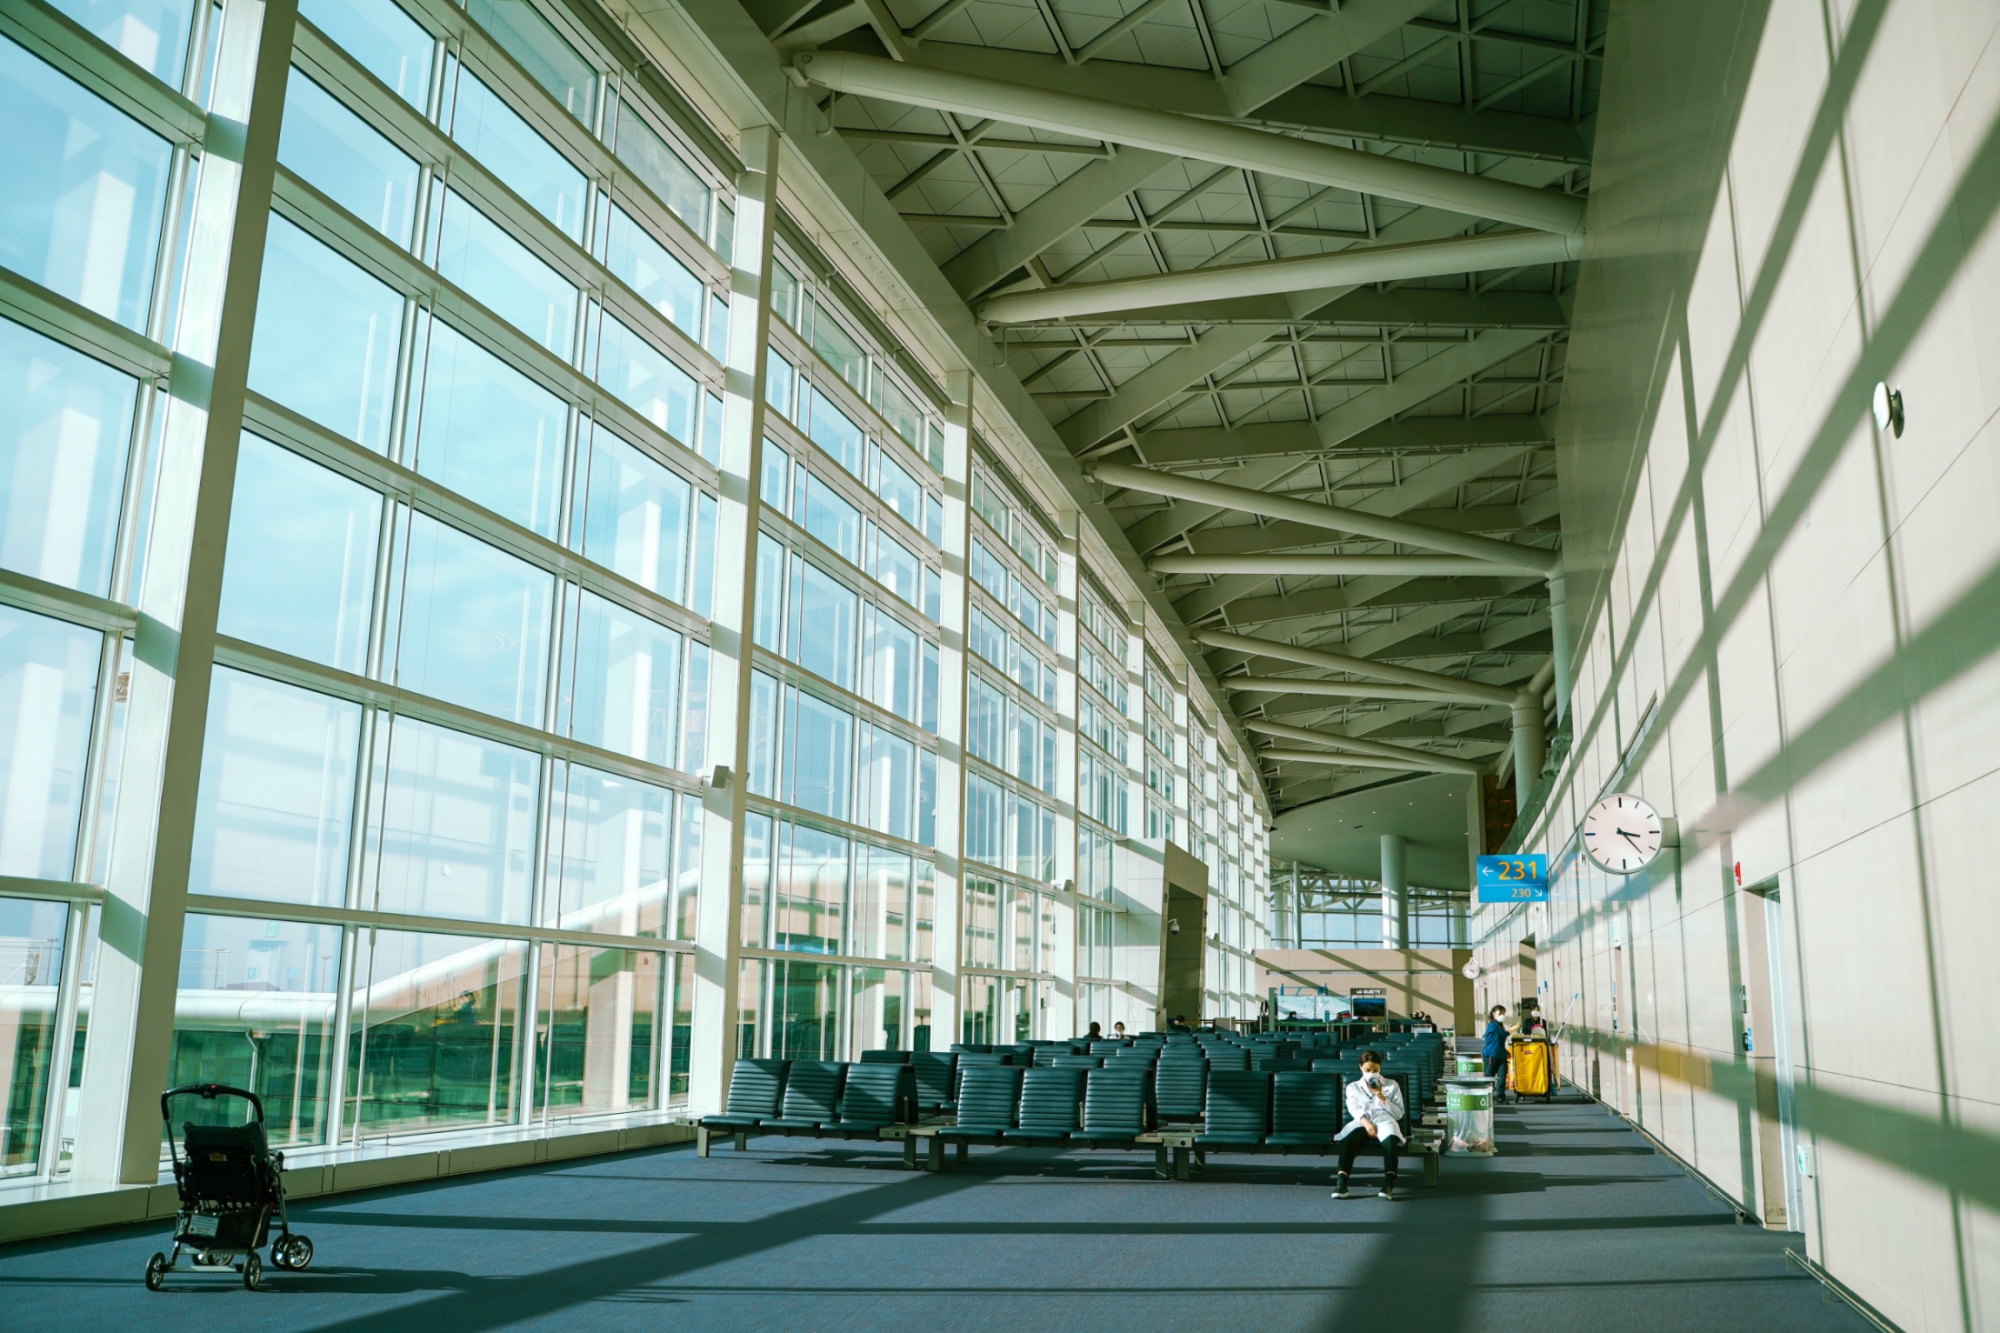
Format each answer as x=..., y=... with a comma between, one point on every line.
x=1622, y=833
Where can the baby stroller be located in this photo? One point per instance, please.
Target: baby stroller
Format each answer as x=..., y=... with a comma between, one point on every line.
x=229, y=1186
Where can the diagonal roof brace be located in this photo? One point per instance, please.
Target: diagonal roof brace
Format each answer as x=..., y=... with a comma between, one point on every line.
x=1544, y=564
x=1323, y=566
x=1418, y=763
x=1356, y=266
x=1444, y=763
x=1186, y=136
x=1445, y=686
x=1340, y=689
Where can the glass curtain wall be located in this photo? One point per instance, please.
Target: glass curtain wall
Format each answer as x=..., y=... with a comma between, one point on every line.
x=462, y=674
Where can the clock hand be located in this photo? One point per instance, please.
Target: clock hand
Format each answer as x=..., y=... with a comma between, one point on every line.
x=1628, y=837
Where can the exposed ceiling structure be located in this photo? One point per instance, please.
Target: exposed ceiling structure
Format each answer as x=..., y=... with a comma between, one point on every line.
x=1293, y=278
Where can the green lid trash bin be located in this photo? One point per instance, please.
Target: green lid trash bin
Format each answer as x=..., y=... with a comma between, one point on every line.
x=1468, y=1114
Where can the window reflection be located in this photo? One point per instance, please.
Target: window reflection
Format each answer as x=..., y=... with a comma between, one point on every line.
x=85, y=189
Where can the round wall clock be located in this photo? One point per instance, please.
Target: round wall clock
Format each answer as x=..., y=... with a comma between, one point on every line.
x=1622, y=834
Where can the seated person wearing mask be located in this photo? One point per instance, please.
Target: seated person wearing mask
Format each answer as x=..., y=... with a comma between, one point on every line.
x=1374, y=1108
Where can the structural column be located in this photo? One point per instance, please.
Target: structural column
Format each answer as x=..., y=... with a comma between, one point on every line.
x=1528, y=745
x=718, y=930
x=948, y=933
x=1395, y=892
x=138, y=970
x=1061, y=1017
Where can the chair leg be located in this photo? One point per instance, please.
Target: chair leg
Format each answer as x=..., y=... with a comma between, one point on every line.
x=935, y=1160
x=743, y=1141
x=909, y=1152
x=701, y=1140
x=1181, y=1156
x=1432, y=1163
x=1161, y=1167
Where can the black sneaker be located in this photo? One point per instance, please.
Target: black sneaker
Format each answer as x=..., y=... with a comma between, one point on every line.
x=1340, y=1190
x=1388, y=1192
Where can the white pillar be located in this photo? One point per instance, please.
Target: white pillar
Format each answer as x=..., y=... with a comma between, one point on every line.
x=711, y=1043
x=948, y=931
x=1395, y=892
x=138, y=969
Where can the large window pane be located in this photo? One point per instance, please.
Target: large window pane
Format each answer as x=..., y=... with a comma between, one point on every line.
x=811, y=892
x=152, y=34
x=63, y=442
x=832, y=431
x=475, y=624
x=301, y=563
x=32, y=939
x=891, y=676
x=490, y=433
x=597, y=1033
x=619, y=682
x=634, y=517
x=648, y=382
x=524, y=161
x=642, y=149
x=896, y=569
x=254, y=1009
x=879, y=920
x=48, y=687
x=338, y=153
x=819, y=748
x=830, y=518
x=887, y=777
x=326, y=337
x=532, y=40
x=383, y=39
x=824, y=618
x=805, y=1010
x=435, y=1019
x=453, y=832
x=277, y=793
x=651, y=270
x=768, y=629
x=505, y=276
x=608, y=854
x=85, y=184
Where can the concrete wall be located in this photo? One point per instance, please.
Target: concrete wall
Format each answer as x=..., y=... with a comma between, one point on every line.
x=1426, y=979
x=1791, y=200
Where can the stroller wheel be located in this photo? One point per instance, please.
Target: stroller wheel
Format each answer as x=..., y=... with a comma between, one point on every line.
x=294, y=1252
x=253, y=1271
x=156, y=1272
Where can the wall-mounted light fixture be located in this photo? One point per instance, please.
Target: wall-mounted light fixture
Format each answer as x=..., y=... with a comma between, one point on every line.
x=1889, y=409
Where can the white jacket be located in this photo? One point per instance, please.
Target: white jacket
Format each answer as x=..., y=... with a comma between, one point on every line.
x=1362, y=1106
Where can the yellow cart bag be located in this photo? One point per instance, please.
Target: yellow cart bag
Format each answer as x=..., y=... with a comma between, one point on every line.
x=1531, y=1065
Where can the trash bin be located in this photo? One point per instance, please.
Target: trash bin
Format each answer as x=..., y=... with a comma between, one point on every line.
x=1471, y=1065
x=1468, y=1113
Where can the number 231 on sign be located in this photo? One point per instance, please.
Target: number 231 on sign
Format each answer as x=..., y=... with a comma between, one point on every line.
x=1513, y=879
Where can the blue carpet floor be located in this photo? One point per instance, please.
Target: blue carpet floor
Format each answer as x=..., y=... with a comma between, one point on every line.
x=1577, y=1225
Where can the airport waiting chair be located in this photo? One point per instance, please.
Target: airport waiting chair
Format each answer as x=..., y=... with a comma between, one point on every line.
x=756, y=1092
x=988, y=1096
x=885, y=1057
x=812, y=1094
x=936, y=1074
x=874, y=1097
x=1237, y=1113
x=1180, y=1085
x=1114, y=1109
x=1306, y=1110
x=1048, y=1106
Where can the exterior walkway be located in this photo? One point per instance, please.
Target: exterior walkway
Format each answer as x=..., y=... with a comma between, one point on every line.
x=1578, y=1225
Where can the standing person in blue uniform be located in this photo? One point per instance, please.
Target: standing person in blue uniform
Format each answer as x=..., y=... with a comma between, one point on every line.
x=1495, y=1047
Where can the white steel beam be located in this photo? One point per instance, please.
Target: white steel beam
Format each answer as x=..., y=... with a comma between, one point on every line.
x=1379, y=749
x=1338, y=689
x=1449, y=686
x=1184, y=136
x=1380, y=527
x=1418, y=765
x=1356, y=266
x=1320, y=566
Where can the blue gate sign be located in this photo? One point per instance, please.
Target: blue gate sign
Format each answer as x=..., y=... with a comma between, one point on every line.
x=1514, y=879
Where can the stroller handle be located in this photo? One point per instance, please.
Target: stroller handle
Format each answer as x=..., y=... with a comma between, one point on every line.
x=208, y=1092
